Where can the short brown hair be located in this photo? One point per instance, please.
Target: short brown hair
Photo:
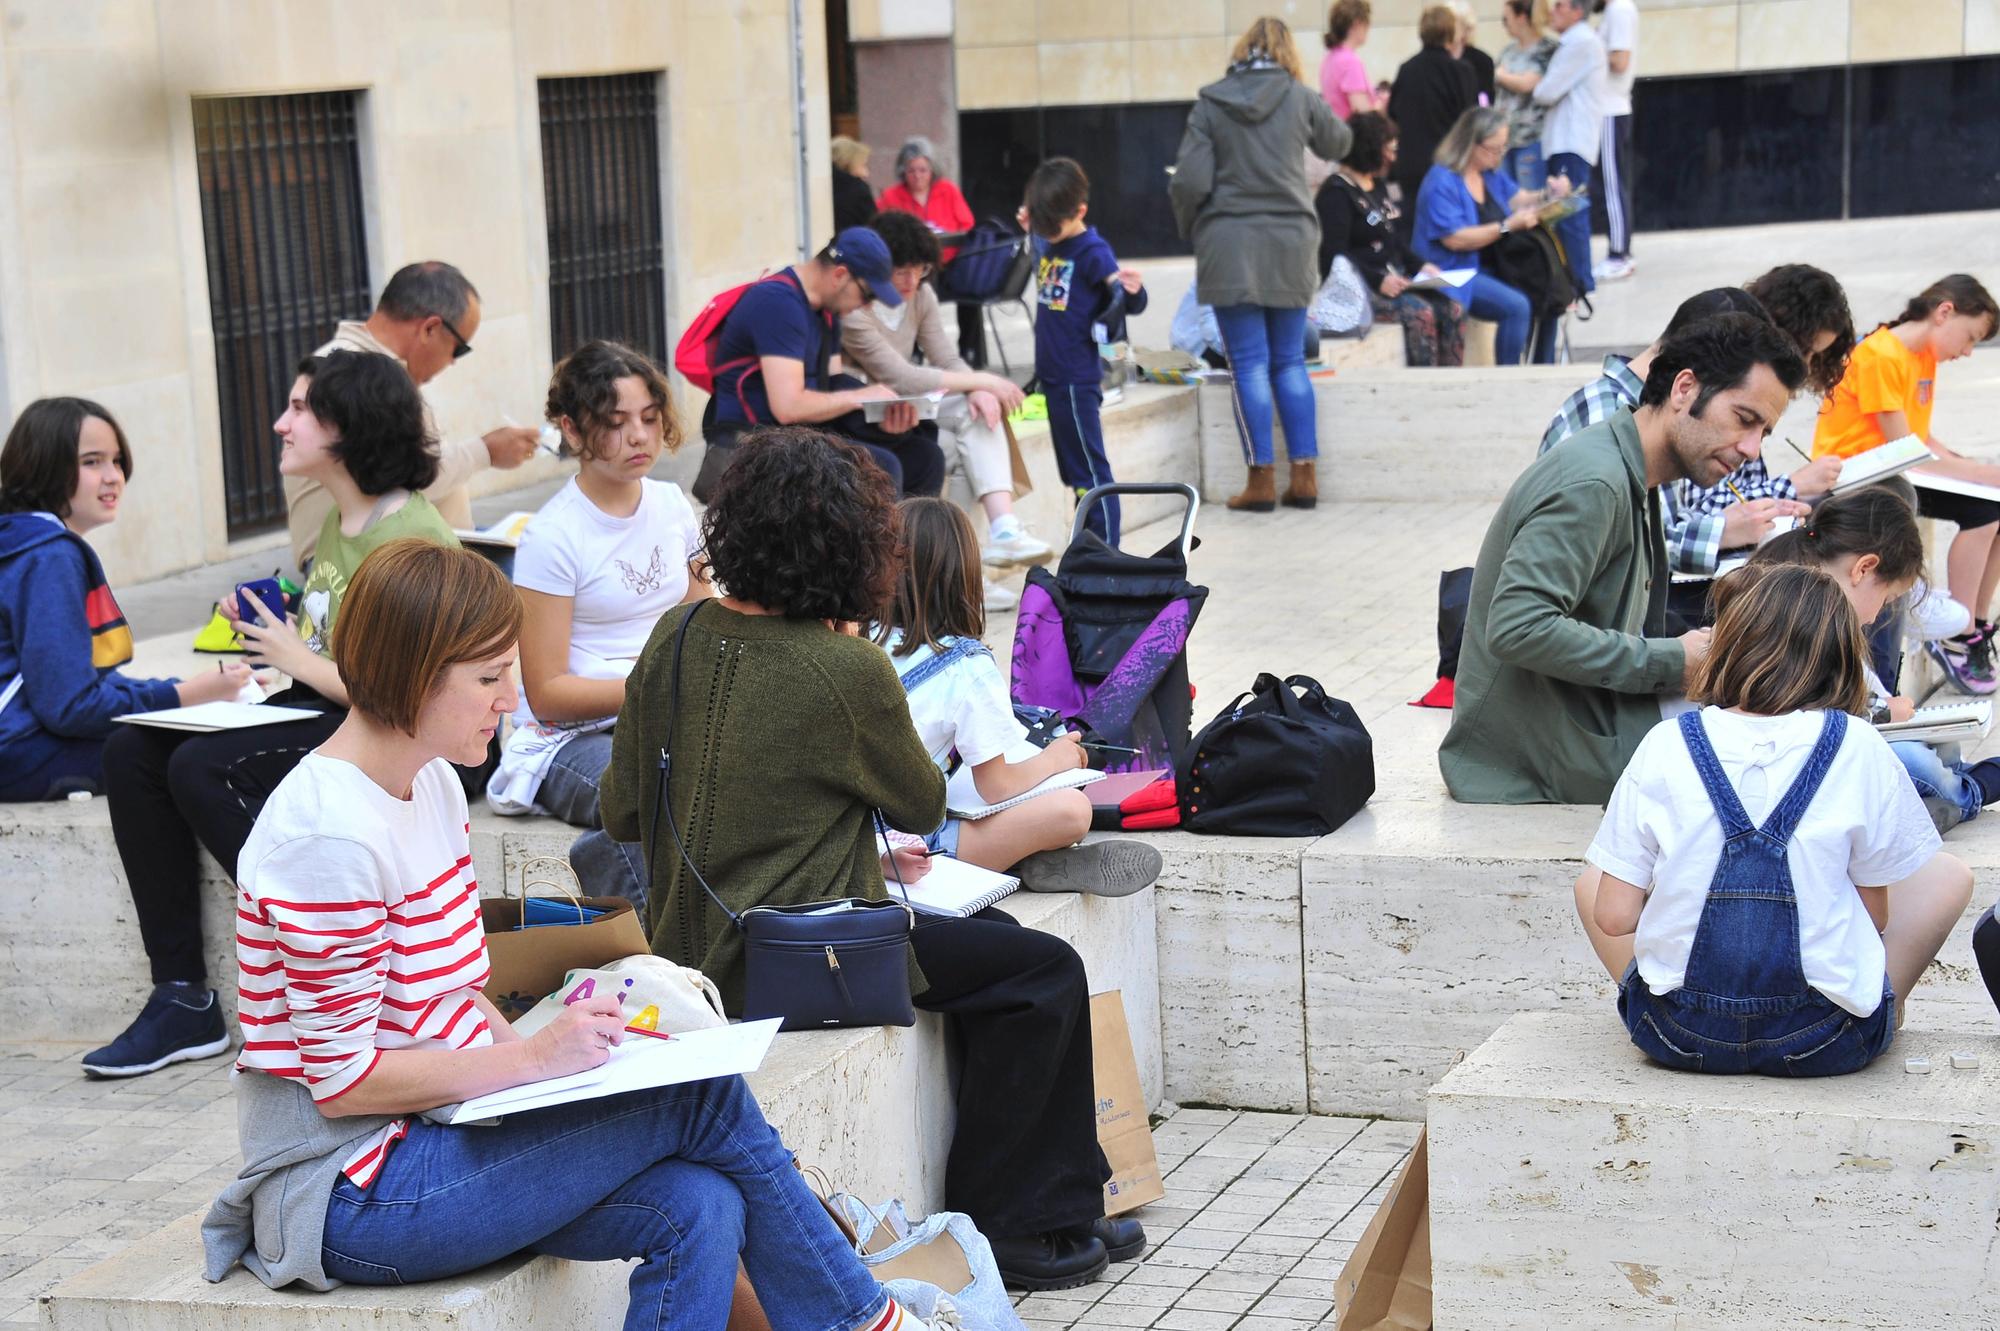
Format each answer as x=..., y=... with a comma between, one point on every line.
x=584, y=388
x=414, y=609
x=1786, y=640
x=40, y=462
x=1437, y=26
x=1340, y=20
x=1055, y=191
x=939, y=592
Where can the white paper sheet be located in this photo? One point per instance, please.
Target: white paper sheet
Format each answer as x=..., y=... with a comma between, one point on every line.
x=640, y=1063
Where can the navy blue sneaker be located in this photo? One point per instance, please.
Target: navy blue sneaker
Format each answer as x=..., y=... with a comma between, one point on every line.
x=179, y=1022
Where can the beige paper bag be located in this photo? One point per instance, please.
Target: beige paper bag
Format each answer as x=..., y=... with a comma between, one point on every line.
x=1386, y=1284
x=1123, y=1130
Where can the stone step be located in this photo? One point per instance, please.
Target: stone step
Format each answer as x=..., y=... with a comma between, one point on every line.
x=1575, y=1184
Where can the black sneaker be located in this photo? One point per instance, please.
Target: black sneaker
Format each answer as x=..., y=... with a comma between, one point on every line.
x=178, y=1023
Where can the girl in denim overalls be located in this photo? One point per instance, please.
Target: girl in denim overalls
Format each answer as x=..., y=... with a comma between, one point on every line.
x=1769, y=885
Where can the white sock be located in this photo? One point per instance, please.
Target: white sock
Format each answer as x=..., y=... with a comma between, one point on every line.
x=1005, y=527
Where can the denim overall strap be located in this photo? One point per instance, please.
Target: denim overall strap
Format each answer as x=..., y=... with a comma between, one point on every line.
x=961, y=649
x=1745, y=961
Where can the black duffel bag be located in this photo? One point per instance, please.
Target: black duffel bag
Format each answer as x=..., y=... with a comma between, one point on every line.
x=1289, y=762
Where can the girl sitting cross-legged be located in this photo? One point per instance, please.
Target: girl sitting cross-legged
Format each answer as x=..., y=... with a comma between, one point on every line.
x=1766, y=885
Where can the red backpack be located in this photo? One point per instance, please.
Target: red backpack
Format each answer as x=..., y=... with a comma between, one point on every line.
x=695, y=354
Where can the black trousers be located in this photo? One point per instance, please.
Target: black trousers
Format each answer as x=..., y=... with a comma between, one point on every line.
x=173, y=793
x=1986, y=950
x=1024, y=1158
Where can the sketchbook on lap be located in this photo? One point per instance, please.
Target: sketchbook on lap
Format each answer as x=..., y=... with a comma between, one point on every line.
x=211, y=716
x=640, y=1063
x=961, y=796
x=953, y=887
x=1446, y=279
x=1927, y=480
x=1881, y=462
x=1945, y=723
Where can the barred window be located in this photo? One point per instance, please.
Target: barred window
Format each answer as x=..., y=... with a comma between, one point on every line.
x=601, y=182
x=281, y=220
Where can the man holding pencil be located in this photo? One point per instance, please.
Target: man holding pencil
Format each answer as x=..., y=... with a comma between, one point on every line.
x=1566, y=654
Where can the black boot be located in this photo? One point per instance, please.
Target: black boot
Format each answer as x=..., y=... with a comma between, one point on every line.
x=1122, y=1236
x=1063, y=1259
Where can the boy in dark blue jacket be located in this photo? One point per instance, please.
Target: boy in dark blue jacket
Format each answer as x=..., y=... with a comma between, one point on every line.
x=1084, y=297
x=62, y=473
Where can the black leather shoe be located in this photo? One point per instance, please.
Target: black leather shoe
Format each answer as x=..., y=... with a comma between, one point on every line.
x=1122, y=1236
x=1060, y=1260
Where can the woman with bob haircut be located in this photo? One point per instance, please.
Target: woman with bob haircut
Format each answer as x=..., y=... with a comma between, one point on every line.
x=361, y=854
x=791, y=731
x=606, y=556
x=1766, y=886
x=353, y=423
x=62, y=637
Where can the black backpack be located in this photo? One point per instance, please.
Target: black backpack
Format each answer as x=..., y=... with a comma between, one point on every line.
x=1531, y=262
x=1290, y=762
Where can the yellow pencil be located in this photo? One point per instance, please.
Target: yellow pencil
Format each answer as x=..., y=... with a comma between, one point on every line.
x=1733, y=490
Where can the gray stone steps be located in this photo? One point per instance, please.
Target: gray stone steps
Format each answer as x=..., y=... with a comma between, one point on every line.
x=1575, y=1184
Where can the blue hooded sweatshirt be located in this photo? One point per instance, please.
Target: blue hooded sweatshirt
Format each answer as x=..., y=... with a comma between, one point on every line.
x=62, y=638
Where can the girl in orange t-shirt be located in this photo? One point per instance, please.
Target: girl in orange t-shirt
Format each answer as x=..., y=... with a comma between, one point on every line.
x=1888, y=392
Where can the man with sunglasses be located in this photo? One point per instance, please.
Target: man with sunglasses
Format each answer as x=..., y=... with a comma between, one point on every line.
x=778, y=362
x=426, y=318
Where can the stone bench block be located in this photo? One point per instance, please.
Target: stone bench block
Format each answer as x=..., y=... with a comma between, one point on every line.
x=1575, y=1184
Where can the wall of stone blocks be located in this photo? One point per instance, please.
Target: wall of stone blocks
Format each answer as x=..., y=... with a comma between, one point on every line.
x=103, y=282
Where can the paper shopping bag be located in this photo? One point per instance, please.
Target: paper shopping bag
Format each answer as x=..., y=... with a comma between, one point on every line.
x=1123, y=1130
x=1386, y=1284
x=1020, y=464
x=529, y=964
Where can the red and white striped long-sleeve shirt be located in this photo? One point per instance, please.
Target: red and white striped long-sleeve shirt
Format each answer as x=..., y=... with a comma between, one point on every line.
x=357, y=931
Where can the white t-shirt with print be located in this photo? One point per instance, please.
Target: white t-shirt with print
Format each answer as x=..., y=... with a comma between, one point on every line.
x=1619, y=31
x=621, y=575
x=1865, y=826
x=965, y=707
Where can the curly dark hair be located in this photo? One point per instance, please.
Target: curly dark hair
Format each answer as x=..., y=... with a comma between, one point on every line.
x=1806, y=301
x=805, y=524
x=584, y=389
x=910, y=242
x=1722, y=350
x=1373, y=133
x=372, y=404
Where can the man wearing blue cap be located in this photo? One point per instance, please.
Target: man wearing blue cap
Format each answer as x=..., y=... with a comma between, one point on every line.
x=778, y=362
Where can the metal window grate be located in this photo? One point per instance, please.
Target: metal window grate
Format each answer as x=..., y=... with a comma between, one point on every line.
x=601, y=181
x=287, y=260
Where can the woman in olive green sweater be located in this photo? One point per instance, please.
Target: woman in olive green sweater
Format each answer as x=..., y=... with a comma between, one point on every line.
x=790, y=731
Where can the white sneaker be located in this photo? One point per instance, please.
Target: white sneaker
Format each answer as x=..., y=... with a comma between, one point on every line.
x=1612, y=270
x=1023, y=547
x=1000, y=598
x=1934, y=616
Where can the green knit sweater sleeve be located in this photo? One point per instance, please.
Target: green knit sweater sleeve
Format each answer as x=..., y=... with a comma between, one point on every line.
x=624, y=783
x=891, y=769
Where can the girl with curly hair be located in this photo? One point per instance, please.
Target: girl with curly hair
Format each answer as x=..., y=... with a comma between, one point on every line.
x=790, y=732
x=606, y=556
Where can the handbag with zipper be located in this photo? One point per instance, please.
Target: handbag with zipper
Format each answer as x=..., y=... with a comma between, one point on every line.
x=841, y=962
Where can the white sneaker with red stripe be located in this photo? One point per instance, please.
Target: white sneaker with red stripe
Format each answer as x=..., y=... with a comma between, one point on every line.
x=896, y=1317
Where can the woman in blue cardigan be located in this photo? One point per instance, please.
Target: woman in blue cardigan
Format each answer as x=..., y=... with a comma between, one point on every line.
x=1467, y=202
x=62, y=475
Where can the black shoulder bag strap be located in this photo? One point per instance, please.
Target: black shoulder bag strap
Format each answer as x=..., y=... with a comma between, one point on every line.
x=664, y=806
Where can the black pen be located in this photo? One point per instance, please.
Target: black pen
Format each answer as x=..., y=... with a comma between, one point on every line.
x=1107, y=748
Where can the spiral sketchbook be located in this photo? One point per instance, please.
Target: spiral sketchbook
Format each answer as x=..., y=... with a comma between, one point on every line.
x=953, y=887
x=961, y=796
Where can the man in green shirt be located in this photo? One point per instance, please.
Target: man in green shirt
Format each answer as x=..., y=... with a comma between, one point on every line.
x=1565, y=655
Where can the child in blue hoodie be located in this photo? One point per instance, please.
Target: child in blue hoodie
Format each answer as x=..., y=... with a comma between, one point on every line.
x=62, y=474
x=1084, y=297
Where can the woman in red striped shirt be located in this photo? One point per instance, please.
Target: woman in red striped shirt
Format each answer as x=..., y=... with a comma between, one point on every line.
x=361, y=957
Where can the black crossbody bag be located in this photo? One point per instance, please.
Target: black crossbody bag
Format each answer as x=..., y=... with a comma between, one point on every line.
x=843, y=962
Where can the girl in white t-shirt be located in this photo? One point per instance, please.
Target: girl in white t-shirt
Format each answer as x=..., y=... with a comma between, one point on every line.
x=608, y=554
x=962, y=711
x=1768, y=884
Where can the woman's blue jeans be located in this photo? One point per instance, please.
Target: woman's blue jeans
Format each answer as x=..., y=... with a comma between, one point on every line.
x=1487, y=297
x=1267, y=366
x=685, y=1178
x=1951, y=796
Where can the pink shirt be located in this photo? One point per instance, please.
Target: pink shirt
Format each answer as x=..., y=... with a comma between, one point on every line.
x=1341, y=75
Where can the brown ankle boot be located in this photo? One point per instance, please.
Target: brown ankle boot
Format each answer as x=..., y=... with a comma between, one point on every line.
x=1261, y=494
x=1303, y=491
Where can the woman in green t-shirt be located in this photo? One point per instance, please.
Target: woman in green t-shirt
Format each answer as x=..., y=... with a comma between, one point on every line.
x=354, y=423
